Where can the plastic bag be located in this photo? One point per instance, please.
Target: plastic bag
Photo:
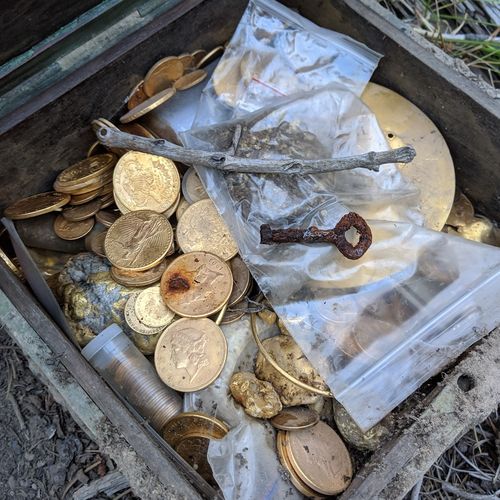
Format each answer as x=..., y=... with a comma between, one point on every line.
x=275, y=52
x=244, y=463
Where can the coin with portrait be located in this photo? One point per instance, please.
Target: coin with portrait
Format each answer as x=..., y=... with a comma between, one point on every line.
x=138, y=240
x=146, y=182
x=150, y=308
x=190, y=354
x=196, y=284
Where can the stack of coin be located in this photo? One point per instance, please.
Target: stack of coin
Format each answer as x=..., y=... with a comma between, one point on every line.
x=316, y=459
x=165, y=78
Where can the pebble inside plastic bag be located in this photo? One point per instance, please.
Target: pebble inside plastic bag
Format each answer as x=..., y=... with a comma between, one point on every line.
x=275, y=52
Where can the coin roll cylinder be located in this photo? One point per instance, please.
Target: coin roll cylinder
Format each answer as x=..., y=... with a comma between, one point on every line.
x=126, y=369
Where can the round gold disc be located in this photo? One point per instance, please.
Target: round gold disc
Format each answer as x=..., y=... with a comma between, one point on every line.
x=139, y=278
x=138, y=240
x=187, y=61
x=133, y=321
x=432, y=170
x=107, y=200
x=190, y=79
x=194, y=451
x=35, y=205
x=97, y=243
x=86, y=186
x=297, y=417
x=80, y=199
x=320, y=458
x=192, y=188
x=137, y=96
x=162, y=74
x=148, y=105
x=241, y=280
x=151, y=310
x=181, y=208
x=201, y=228
x=137, y=129
x=146, y=182
x=211, y=56
x=197, y=56
x=68, y=230
x=82, y=212
x=168, y=213
x=190, y=354
x=193, y=424
x=86, y=170
x=107, y=219
x=196, y=284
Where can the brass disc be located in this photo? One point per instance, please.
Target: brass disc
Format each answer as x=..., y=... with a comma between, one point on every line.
x=187, y=61
x=139, y=278
x=193, y=424
x=138, y=240
x=82, y=212
x=80, y=199
x=107, y=219
x=148, y=105
x=107, y=200
x=68, y=230
x=162, y=75
x=197, y=56
x=432, y=170
x=211, y=56
x=86, y=170
x=137, y=96
x=35, y=205
x=137, y=129
x=190, y=79
x=85, y=186
x=297, y=417
x=97, y=243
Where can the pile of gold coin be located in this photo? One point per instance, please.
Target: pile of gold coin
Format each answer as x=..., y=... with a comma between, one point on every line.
x=166, y=77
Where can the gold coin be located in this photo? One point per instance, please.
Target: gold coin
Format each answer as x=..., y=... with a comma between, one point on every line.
x=123, y=209
x=190, y=354
x=181, y=208
x=86, y=170
x=194, y=451
x=187, y=61
x=68, y=230
x=462, y=212
x=80, y=199
x=197, y=56
x=139, y=278
x=138, y=240
x=298, y=417
x=85, y=186
x=137, y=129
x=190, y=79
x=151, y=310
x=96, y=148
x=241, y=280
x=148, y=105
x=211, y=56
x=35, y=205
x=97, y=243
x=106, y=189
x=285, y=461
x=137, y=96
x=162, y=74
x=201, y=228
x=146, y=182
x=192, y=188
x=168, y=213
x=234, y=313
x=133, y=321
x=105, y=122
x=320, y=458
x=107, y=200
x=193, y=424
x=82, y=212
x=432, y=170
x=196, y=284
x=107, y=219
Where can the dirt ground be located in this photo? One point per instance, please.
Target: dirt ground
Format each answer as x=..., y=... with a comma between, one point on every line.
x=43, y=452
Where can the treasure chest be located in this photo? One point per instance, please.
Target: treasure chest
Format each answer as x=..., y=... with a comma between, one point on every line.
x=51, y=93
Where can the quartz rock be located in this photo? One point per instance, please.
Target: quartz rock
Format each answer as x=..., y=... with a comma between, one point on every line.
x=258, y=398
x=90, y=299
x=285, y=351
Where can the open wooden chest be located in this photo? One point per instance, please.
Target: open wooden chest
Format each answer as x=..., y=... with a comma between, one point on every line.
x=46, y=127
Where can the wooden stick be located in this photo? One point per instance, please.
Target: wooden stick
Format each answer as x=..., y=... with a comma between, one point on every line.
x=227, y=163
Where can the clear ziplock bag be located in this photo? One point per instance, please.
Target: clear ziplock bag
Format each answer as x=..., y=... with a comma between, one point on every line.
x=374, y=328
x=275, y=52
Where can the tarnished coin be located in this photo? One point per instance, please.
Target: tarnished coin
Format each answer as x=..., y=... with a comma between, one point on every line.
x=146, y=182
x=197, y=56
x=193, y=424
x=162, y=75
x=137, y=96
x=201, y=228
x=139, y=278
x=148, y=105
x=211, y=56
x=320, y=458
x=190, y=354
x=296, y=417
x=181, y=208
x=85, y=170
x=285, y=461
x=106, y=218
x=138, y=240
x=68, y=230
x=107, y=200
x=151, y=310
x=196, y=284
x=190, y=79
x=82, y=212
x=241, y=280
x=97, y=243
x=194, y=451
x=133, y=321
x=480, y=229
x=137, y=129
x=106, y=189
x=35, y=205
x=192, y=188
x=234, y=313
x=80, y=199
